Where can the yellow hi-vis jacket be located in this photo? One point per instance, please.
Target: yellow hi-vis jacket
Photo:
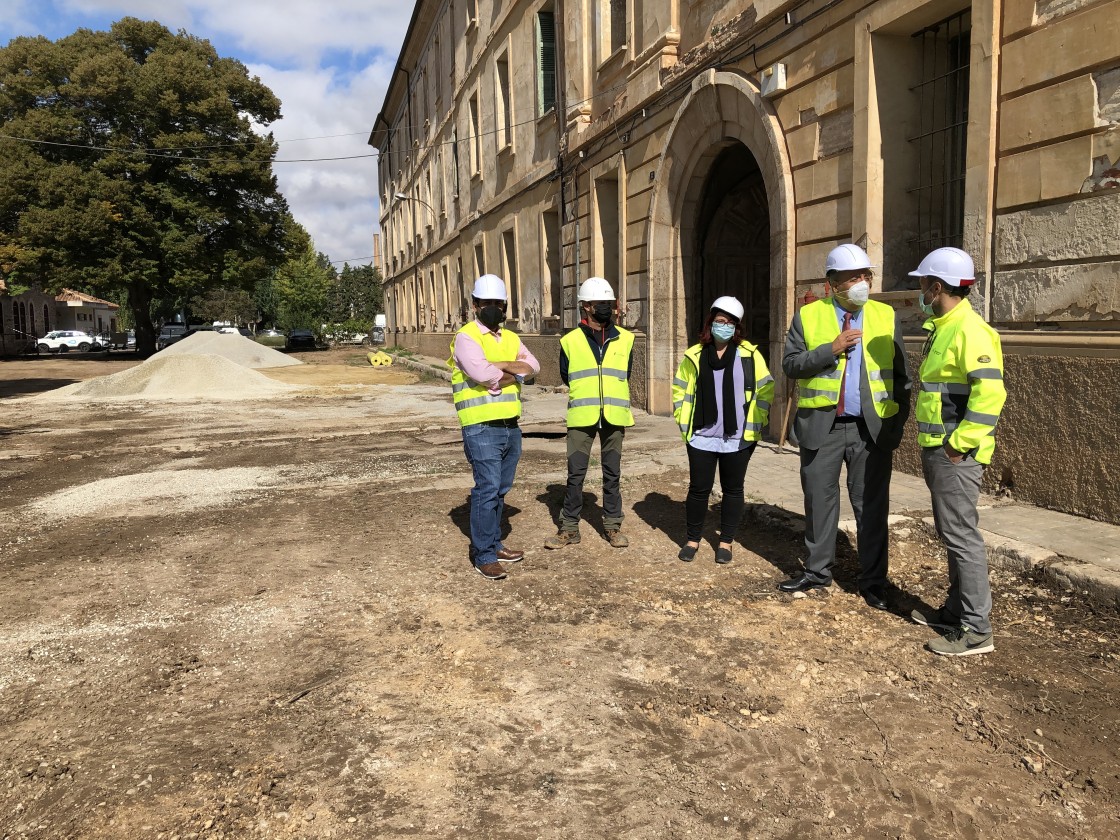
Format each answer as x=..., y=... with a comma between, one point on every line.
x=598, y=390
x=821, y=327
x=758, y=390
x=473, y=401
x=962, y=389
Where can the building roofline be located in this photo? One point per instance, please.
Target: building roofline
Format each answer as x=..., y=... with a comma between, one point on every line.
x=392, y=92
x=69, y=295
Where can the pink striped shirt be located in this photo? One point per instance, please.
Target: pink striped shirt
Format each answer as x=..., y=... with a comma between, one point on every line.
x=470, y=358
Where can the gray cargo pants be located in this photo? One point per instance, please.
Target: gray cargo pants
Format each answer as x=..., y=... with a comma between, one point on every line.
x=955, y=491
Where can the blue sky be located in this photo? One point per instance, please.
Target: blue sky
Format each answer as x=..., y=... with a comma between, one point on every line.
x=328, y=61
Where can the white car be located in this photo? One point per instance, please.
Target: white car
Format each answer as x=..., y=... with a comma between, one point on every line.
x=62, y=341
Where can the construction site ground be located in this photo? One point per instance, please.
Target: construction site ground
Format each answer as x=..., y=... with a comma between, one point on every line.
x=256, y=619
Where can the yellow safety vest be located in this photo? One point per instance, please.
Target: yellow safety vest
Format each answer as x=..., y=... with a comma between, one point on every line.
x=821, y=327
x=962, y=383
x=596, y=390
x=758, y=391
x=474, y=402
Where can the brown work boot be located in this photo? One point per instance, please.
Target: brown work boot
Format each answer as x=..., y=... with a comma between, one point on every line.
x=562, y=539
x=492, y=571
x=616, y=538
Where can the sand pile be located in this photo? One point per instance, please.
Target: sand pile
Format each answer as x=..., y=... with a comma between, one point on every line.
x=235, y=347
x=175, y=376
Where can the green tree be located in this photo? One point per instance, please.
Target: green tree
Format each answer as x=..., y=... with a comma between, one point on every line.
x=303, y=288
x=148, y=179
x=357, y=295
x=232, y=305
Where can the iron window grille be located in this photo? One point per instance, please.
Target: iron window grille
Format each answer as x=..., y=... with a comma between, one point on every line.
x=941, y=141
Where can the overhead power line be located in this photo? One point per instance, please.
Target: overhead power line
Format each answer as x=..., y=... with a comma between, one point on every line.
x=168, y=154
x=352, y=259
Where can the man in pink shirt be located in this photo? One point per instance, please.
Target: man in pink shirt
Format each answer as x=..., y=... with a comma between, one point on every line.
x=488, y=367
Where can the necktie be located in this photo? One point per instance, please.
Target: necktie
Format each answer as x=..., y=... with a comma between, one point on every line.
x=844, y=375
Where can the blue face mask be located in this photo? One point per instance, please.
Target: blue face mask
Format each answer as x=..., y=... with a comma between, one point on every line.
x=723, y=332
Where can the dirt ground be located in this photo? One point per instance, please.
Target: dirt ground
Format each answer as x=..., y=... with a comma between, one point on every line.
x=257, y=620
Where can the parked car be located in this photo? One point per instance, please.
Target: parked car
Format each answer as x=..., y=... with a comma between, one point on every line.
x=301, y=340
x=171, y=333
x=116, y=340
x=228, y=330
x=376, y=335
x=62, y=341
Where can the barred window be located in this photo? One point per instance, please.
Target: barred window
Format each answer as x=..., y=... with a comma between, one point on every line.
x=940, y=144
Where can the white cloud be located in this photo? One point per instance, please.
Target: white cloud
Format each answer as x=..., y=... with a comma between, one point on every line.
x=335, y=200
x=294, y=31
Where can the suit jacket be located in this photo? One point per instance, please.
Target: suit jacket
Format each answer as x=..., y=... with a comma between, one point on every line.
x=812, y=425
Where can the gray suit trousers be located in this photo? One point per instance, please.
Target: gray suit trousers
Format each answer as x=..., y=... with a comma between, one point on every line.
x=869, y=486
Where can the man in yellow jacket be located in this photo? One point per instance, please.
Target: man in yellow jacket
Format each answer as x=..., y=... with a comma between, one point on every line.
x=962, y=394
x=595, y=364
x=847, y=355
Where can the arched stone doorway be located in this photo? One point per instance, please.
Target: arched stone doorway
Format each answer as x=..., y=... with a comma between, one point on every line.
x=733, y=253
x=722, y=111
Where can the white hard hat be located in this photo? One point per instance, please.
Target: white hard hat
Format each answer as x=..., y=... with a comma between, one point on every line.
x=489, y=287
x=952, y=265
x=846, y=258
x=729, y=305
x=595, y=288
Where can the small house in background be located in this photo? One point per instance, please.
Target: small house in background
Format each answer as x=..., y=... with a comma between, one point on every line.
x=78, y=311
x=34, y=313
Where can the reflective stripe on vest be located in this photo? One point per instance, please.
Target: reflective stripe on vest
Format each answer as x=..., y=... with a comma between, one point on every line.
x=818, y=319
x=596, y=391
x=473, y=402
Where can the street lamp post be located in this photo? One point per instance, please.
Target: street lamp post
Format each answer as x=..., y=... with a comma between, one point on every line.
x=400, y=196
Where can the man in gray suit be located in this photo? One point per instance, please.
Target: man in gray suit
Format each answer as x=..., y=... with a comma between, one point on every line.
x=847, y=355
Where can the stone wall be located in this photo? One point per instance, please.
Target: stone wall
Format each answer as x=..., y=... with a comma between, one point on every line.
x=1057, y=231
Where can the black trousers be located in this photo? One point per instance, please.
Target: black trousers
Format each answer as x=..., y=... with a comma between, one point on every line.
x=702, y=475
x=580, y=441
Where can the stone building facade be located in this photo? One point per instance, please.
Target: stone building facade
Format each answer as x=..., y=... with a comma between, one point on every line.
x=693, y=150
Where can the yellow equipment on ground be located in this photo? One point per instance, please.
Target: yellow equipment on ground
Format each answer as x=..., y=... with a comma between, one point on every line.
x=380, y=359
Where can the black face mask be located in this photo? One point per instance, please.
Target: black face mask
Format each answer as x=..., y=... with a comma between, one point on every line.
x=603, y=312
x=491, y=316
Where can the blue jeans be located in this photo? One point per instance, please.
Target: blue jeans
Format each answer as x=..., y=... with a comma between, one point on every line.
x=493, y=453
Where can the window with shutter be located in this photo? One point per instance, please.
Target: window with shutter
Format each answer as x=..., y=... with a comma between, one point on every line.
x=546, y=62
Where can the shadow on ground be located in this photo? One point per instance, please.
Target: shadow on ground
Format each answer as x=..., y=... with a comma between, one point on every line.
x=461, y=516
x=28, y=387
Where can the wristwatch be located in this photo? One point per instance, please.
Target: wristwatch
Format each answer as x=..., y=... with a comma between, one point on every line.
x=520, y=378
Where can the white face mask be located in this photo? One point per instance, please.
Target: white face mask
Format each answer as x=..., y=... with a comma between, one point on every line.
x=860, y=293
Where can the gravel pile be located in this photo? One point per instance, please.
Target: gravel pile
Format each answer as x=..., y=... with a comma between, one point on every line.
x=164, y=490
x=235, y=347
x=175, y=376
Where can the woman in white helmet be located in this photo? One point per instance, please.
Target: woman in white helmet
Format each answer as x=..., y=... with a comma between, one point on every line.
x=721, y=402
